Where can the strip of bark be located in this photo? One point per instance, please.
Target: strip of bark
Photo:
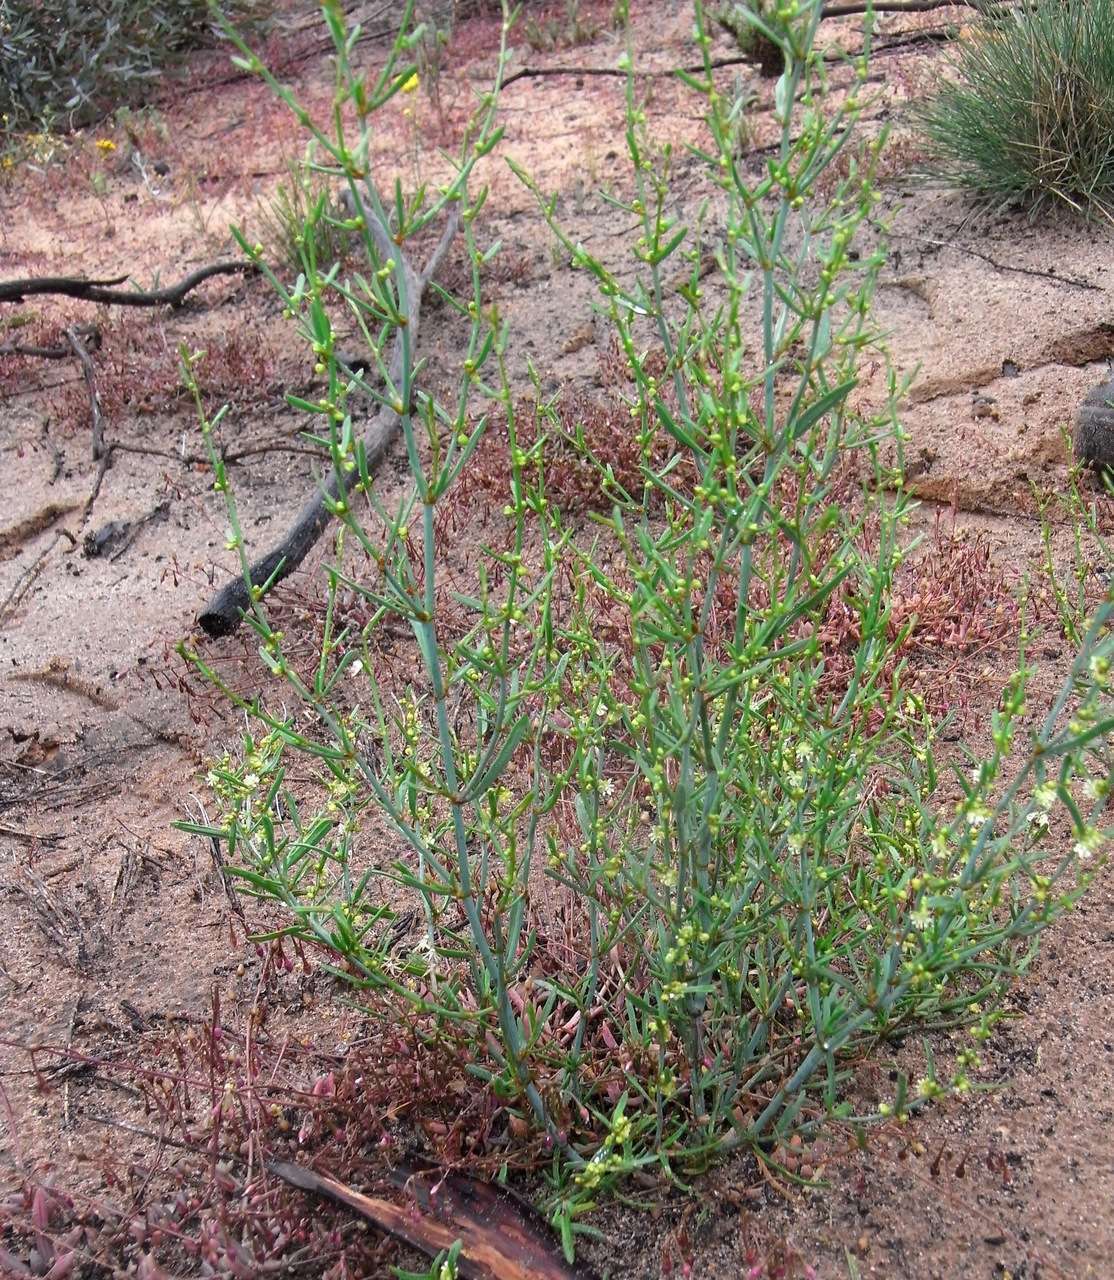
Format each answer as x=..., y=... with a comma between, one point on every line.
x=501, y=1239
x=226, y=610
x=103, y=290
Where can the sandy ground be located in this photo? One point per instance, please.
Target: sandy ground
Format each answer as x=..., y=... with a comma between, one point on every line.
x=114, y=921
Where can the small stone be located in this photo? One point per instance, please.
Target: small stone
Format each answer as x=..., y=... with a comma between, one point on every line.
x=1094, y=428
x=984, y=406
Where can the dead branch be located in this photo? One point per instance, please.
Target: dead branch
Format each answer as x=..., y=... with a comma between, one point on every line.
x=368, y=35
x=749, y=59
x=98, y=480
x=103, y=290
x=91, y=384
x=225, y=611
x=278, y=445
x=899, y=6
x=1036, y=274
x=29, y=837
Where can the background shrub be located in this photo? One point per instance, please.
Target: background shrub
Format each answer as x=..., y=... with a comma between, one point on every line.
x=1028, y=111
x=68, y=62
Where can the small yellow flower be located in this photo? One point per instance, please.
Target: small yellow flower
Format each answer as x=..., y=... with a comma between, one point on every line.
x=411, y=84
x=105, y=144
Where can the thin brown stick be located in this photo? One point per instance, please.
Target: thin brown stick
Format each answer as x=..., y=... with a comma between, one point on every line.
x=17, y=833
x=91, y=384
x=67, y=1119
x=281, y=445
x=318, y=48
x=226, y=610
x=102, y=291
x=98, y=480
x=899, y=6
x=89, y=334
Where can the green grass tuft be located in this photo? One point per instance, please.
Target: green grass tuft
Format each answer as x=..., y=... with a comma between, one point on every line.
x=1027, y=115
x=302, y=217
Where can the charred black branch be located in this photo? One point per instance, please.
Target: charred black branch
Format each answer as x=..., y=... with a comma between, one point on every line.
x=104, y=291
x=225, y=611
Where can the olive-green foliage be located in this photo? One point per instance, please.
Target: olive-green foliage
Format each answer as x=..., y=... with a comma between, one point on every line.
x=67, y=62
x=1027, y=112
x=302, y=217
x=705, y=745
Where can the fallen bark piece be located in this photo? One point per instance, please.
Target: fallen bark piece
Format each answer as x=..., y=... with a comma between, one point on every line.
x=104, y=290
x=501, y=1238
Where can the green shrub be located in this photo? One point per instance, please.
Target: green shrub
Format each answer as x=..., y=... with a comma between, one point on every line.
x=668, y=818
x=302, y=220
x=1027, y=110
x=68, y=62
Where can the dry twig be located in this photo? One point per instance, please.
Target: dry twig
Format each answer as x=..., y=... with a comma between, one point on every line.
x=1004, y=266
x=105, y=290
x=90, y=334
